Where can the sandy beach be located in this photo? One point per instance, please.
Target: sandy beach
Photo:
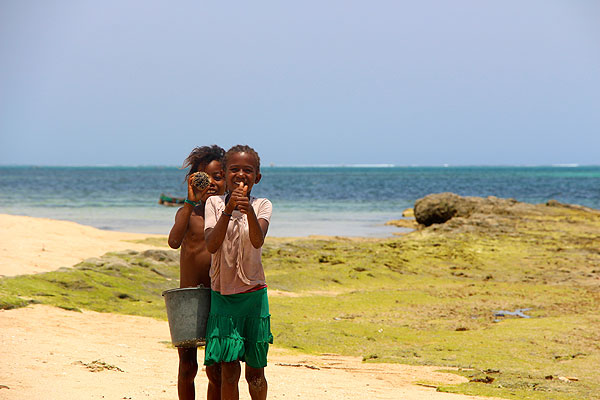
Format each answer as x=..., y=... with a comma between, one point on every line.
x=52, y=353
x=31, y=245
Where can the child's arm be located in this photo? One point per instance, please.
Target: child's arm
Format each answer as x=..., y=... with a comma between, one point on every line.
x=214, y=236
x=182, y=218
x=257, y=228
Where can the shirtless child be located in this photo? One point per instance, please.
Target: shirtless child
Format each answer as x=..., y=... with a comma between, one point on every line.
x=188, y=232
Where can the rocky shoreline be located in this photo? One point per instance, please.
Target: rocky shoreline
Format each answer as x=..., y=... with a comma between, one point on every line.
x=451, y=212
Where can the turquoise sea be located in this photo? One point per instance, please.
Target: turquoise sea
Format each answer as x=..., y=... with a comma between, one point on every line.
x=345, y=201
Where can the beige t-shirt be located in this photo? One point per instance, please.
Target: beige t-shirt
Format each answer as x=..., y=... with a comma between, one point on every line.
x=236, y=266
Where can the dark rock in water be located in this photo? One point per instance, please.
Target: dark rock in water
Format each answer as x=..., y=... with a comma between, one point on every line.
x=449, y=212
x=437, y=208
x=440, y=207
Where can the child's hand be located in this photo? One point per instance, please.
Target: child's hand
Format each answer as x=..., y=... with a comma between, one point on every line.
x=195, y=194
x=240, y=199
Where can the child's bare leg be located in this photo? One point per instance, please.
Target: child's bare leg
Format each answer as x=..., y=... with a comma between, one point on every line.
x=230, y=376
x=213, y=373
x=257, y=383
x=188, y=367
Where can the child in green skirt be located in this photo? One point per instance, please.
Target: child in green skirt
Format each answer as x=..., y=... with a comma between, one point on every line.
x=239, y=321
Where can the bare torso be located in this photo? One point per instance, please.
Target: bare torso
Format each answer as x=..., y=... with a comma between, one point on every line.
x=194, y=257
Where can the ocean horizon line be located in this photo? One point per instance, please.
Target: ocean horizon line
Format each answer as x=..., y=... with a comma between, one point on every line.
x=273, y=165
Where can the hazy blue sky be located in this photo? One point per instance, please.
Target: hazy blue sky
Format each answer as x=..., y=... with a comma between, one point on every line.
x=306, y=82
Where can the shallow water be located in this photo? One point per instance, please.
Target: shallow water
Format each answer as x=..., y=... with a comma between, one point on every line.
x=345, y=201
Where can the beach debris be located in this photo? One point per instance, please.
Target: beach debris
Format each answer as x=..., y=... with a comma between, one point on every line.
x=97, y=366
x=491, y=371
x=517, y=313
x=327, y=258
x=201, y=180
x=426, y=385
x=346, y=316
x=485, y=379
x=159, y=273
x=569, y=356
x=370, y=357
x=4, y=387
x=298, y=365
x=568, y=379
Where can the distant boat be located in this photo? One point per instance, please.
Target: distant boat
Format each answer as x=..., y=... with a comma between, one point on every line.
x=170, y=201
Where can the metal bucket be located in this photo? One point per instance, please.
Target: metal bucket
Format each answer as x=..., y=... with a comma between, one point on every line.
x=187, y=310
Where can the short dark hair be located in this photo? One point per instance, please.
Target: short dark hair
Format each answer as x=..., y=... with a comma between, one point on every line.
x=200, y=157
x=242, y=148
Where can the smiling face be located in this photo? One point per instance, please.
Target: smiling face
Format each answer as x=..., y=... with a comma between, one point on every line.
x=242, y=167
x=214, y=169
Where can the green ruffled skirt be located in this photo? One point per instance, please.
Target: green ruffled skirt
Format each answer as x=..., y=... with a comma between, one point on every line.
x=238, y=328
